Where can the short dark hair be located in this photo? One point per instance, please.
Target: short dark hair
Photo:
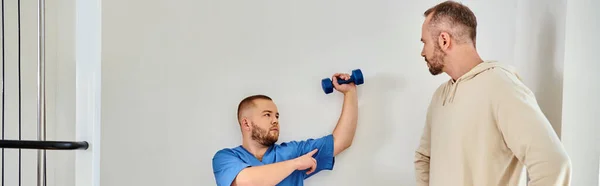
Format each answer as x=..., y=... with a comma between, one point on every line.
x=248, y=102
x=460, y=19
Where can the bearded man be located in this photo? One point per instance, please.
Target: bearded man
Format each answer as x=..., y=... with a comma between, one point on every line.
x=260, y=161
x=483, y=125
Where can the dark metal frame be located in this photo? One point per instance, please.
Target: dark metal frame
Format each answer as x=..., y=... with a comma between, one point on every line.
x=46, y=145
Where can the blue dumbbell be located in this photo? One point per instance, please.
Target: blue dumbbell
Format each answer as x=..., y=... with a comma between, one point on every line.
x=356, y=78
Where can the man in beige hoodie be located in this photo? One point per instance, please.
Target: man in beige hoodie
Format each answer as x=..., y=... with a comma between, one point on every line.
x=483, y=125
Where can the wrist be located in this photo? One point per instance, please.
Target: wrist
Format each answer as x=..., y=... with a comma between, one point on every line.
x=350, y=92
x=294, y=163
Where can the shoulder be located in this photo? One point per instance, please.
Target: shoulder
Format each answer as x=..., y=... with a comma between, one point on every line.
x=506, y=86
x=505, y=75
x=226, y=165
x=441, y=87
x=226, y=153
x=439, y=91
x=506, y=80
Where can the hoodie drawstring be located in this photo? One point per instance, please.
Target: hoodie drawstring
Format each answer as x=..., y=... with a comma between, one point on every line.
x=446, y=93
x=449, y=92
x=454, y=88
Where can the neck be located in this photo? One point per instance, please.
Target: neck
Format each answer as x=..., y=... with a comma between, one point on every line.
x=255, y=148
x=465, y=59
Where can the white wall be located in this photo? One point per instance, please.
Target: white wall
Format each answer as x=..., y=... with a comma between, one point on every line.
x=539, y=53
x=173, y=73
x=581, y=105
x=60, y=84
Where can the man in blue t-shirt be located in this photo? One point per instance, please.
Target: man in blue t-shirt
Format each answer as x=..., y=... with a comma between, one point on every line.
x=259, y=161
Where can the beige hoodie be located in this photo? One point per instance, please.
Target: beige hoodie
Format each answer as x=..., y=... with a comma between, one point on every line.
x=482, y=129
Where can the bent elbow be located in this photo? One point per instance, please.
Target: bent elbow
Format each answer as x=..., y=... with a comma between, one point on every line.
x=348, y=144
x=341, y=143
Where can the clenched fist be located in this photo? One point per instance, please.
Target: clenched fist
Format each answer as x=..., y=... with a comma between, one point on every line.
x=343, y=88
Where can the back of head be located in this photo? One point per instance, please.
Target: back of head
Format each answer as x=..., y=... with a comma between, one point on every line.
x=454, y=18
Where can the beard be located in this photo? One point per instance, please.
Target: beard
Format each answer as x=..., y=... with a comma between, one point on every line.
x=436, y=65
x=264, y=137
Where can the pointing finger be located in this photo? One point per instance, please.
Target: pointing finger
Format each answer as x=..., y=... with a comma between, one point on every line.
x=312, y=152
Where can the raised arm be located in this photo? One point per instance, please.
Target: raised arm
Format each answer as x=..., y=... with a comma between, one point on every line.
x=344, y=131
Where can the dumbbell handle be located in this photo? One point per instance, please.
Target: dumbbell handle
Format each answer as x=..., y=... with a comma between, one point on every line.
x=341, y=81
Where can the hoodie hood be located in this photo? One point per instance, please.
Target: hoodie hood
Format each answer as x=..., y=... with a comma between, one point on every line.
x=451, y=86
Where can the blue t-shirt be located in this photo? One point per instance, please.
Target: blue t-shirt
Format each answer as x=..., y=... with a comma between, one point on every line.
x=227, y=163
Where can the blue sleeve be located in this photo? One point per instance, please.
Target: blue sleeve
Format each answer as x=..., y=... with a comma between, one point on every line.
x=324, y=156
x=226, y=166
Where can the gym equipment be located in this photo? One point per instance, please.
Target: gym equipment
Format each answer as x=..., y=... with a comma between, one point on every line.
x=356, y=78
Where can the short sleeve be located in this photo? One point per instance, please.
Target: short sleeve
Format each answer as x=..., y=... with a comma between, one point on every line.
x=226, y=166
x=324, y=156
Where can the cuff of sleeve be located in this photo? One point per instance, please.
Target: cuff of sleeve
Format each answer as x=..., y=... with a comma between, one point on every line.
x=327, y=160
x=228, y=178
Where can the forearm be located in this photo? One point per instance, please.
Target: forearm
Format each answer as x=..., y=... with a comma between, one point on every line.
x=422, y=168
x=270, y=174
x=345, y=129
x=423, y=153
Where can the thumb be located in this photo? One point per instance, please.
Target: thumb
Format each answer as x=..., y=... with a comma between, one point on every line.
x=312, y=152
x=334, y=81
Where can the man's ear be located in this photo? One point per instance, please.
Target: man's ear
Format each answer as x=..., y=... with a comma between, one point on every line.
x=444, y=41
x=245, y=123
